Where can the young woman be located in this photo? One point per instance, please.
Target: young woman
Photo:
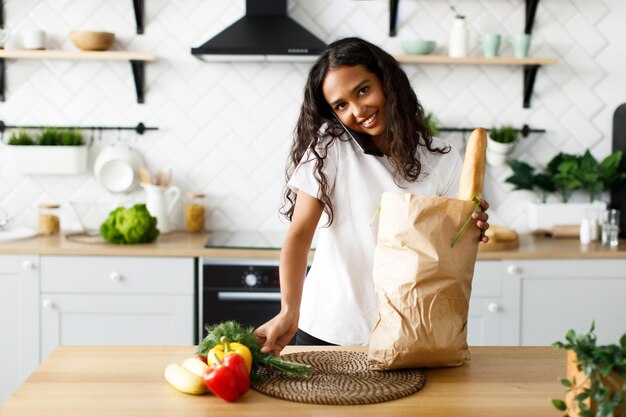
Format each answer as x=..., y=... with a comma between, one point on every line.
x=357, y=85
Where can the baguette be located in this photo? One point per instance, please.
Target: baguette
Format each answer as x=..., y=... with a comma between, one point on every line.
x=473, y=172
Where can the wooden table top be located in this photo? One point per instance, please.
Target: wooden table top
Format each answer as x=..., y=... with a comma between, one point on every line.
x=128, y=381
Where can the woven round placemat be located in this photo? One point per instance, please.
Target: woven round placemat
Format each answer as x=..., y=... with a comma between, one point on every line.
x=339, y=378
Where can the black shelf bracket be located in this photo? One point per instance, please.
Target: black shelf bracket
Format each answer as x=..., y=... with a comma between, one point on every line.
x=2, y=74
x=138, y=6
x=139, y=76
x=138, y=68
x=393, y=17
x=530, y=73
x=531, y=11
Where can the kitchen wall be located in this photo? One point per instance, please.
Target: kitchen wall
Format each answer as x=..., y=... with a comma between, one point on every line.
x=225, y=128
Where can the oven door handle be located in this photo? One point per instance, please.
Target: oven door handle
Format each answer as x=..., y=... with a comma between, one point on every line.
x=247, y=296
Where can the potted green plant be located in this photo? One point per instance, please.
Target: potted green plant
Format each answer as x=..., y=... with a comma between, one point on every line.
x=432, y=123
x=54, y=152
x=564, y=174
x=502, y=142
x=595, y=383
x=525, y=178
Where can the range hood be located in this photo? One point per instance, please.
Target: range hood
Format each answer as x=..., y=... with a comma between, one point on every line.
x=264, y=33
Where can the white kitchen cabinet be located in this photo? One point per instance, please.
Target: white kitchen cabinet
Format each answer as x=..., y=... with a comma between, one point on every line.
x=19, y=320
x=557, y=295
x=493, y=312
x=535, y=302
x=95, y=300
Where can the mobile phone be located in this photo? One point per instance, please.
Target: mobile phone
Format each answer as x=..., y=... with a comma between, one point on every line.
x=363, y=140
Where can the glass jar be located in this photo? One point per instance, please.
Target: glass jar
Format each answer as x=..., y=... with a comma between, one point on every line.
x=49, y=223
x=194, y=212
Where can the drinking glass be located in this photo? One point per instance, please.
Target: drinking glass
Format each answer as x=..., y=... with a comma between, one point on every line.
x=610, y=228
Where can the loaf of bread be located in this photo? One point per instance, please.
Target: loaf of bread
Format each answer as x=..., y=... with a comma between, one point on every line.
x=473, y=173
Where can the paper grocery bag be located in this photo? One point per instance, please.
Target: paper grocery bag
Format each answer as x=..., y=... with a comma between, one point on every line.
x=423, y=284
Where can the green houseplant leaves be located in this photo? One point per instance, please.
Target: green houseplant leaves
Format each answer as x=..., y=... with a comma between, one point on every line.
x=524, y=178
x=566, y=173
x=601, y=392
x=50, y=136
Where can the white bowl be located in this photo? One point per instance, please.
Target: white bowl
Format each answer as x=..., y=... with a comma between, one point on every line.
x=116, y=168
x=91, y=215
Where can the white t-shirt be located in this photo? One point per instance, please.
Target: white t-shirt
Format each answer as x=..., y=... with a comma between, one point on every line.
x=339, y=303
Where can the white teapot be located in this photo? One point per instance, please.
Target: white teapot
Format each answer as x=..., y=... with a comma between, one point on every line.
x=160, y=202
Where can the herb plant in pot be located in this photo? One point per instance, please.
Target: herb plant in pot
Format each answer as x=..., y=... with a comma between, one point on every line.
x=502, y=142
x=53, y=152
x=596, y=375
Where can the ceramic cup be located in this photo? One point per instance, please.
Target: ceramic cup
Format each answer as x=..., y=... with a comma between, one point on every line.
x=521, y=45
x=34, y=39
x=4, y=37
x=491, y=44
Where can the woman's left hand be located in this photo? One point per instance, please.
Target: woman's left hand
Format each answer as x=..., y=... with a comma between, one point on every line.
x=481, y=218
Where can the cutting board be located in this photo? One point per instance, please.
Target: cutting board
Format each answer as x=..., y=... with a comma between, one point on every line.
x=500, y=238
x=17, y=233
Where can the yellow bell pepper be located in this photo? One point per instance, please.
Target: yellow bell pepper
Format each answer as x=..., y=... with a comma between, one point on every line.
x=228, y=348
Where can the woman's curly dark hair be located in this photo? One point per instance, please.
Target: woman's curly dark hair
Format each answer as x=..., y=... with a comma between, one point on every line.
x=405, y=127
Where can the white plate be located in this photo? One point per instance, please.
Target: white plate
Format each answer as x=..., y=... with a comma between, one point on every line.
x=117, y=168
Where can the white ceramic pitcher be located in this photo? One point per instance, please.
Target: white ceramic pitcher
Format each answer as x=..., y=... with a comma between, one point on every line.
x=4, y=36
x=160, y=202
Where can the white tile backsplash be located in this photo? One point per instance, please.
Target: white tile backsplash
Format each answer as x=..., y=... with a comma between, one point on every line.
x=225, y=128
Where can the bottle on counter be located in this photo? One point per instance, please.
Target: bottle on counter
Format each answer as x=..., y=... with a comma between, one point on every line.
x=194, y=212
x=49, y=223
x=585, y=231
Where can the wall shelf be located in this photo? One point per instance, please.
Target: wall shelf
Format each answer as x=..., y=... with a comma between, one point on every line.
x=531, y=66
x=136, y=59
x=531, y=11
x=138, y=7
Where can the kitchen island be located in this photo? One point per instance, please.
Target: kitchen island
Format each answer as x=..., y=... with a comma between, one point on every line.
x=128, y=381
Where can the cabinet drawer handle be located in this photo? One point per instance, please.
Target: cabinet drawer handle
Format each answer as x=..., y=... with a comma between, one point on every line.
x=493, y=307
x=513, y=269
x=115, y=277
x=47, y=304
x=28, y=265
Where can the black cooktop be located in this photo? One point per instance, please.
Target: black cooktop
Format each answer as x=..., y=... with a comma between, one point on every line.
x=245, y=240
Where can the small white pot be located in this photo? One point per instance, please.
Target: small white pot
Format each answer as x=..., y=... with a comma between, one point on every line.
x=543, y=216
x=50, y=160
x=498, y=153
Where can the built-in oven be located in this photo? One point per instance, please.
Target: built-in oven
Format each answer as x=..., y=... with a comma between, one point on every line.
x=245, y=289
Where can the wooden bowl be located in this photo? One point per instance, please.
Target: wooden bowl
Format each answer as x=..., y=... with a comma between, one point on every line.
x=92, y=41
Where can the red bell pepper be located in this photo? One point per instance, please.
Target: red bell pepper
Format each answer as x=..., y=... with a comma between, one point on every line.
x=227, y=378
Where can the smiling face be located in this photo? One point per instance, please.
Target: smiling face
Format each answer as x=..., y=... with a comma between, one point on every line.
x=357, y=98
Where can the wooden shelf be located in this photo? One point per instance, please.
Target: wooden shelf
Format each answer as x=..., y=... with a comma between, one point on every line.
x=138, y=7
x=474, y=60
x=531, y=10
x=136, y=59
x=77, y=55
x=531, y=65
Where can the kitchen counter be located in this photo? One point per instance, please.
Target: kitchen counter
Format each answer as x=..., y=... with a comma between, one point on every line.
x=182, y=244
x=128, y=381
